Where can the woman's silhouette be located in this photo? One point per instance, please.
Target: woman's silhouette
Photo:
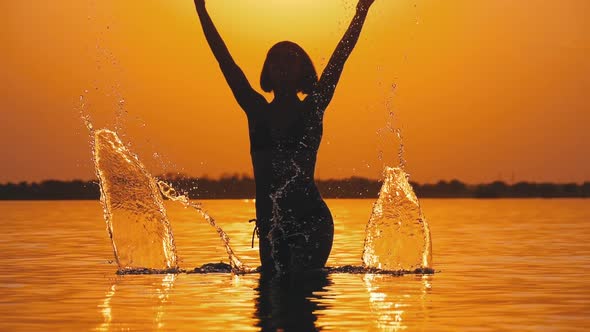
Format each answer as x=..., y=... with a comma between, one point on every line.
x=295, y=226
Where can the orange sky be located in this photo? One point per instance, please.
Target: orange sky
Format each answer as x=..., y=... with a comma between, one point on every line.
x=487, y=89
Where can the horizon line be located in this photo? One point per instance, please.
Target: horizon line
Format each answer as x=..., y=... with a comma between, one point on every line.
x=244, y=176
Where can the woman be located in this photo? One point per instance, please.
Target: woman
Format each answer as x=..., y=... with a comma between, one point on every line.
x=294, y=224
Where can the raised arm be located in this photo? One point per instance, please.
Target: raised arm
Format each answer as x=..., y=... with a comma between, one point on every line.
x=324, y=91
x=246, y=96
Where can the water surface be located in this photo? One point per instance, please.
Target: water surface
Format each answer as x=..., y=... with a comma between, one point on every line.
x=505, y=265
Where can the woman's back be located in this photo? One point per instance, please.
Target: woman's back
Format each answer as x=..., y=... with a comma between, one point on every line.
x=284, y=141
x=294, y=223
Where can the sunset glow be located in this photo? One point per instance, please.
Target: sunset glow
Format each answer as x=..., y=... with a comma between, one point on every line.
x=483, y=90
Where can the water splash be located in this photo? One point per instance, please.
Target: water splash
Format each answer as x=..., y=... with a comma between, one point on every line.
x=391, y=135
x=397, y=235
x=169, y=192
x=402, y=149
x=276, y=229
x=134, y=210
x=133, y=207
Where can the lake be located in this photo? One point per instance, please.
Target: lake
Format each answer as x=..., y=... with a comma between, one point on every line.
x=502, y=265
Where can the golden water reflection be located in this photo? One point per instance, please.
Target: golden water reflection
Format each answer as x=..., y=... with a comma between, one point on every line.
x=157, y=292
x=291, y=303
x=300, y=303
x=106, y=309
x=506, y=265
x=390, y=304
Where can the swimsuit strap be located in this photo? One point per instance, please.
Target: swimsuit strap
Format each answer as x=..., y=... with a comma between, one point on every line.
x=255, y=232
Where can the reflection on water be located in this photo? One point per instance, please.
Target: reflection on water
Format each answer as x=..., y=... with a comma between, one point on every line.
x=290, y=303
x=388, y=311
x=391, y=305
x=106, y=310
x=158, y=292
x=166, y=286
x=506, y=265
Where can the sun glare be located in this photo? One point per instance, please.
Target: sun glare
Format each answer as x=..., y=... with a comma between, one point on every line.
x=311, y=22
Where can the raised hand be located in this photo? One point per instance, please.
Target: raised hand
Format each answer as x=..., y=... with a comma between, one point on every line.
x=364, y=4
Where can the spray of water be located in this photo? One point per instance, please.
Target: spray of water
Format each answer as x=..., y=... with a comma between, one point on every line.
x=134, y=210
x=133, y=207
x=398, y=238
x=169, y=192
x=277, y=220
x=397, y=235
x=402, y=149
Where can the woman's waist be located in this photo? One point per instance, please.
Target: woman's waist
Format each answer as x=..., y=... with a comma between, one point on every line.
x=302, y=184
x=299, y=200
x=304, y=144
x=294, y=192
x=311, y=213
x=284, y=156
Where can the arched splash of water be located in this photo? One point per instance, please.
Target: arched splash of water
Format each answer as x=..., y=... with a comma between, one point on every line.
x=169, y=192
x=134, y=211
x=133, y=207
x=397, y=235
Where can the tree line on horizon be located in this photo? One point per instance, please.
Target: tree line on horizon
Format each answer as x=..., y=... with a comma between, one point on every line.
x=242, y=187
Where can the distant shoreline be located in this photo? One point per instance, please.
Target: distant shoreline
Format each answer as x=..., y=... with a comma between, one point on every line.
x=243, y=187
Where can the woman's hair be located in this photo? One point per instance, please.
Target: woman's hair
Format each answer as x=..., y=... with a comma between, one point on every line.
x=288, y=54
